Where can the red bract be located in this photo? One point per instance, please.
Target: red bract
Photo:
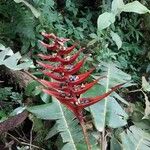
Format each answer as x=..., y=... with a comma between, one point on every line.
x=67, y=50
x=69, y=84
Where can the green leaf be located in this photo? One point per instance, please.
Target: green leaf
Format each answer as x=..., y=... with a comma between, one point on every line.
x=135, y=139
x=117, y=96
x=17, y=111
x=31, y=87
x=18, y=1
x=92, y=42
x=145, y=85
x=143, y=124
x=115, y=145
x=116, y=38
x=45, y=97
x=117, y=6
x=66, y=124
x=46, y=111
x=68, y=127
x=35, y=12
x=10, y=60
x=115, y=74
x=5, y=93
x=135, y=7
x=106, y=112
x=147, y=107
x=105, y=20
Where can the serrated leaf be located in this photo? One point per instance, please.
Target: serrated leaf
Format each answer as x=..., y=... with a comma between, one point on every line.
x=135, y=7
x=105, y=20
x=135, y=138
x=116, y=38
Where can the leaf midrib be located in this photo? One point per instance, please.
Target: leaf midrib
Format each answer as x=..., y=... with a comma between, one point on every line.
x=139, y=143
x=67, y=127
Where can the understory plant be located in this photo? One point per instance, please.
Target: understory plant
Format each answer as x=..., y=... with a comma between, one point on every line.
x=119, y=121
x=68, y=83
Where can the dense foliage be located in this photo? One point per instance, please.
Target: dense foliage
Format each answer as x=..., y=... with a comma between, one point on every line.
x=115, y=35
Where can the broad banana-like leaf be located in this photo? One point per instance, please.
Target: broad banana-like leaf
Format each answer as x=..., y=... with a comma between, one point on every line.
x=108, y=111
x=115, y=144
x=135, y=138
x=66, y=124
x=68, y=127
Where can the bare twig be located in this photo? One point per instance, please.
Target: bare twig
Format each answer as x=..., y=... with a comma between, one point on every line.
x=138, y=90
x=31, y=138
x=24, y=143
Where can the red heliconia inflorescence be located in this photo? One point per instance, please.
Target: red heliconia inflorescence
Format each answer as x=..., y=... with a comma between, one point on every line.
x=68, y=85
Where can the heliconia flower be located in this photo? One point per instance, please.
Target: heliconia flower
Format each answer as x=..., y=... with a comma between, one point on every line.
x=68, y=69
x=77, y=79
x=52, y=36
x=83, y=88
x=69, y=60
x=63, y=96
x=68, y=83
x=67, y=50
x=55, y=85
x=61, y=41
x=85, y=102
x=49, y=57
x=53, y=46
